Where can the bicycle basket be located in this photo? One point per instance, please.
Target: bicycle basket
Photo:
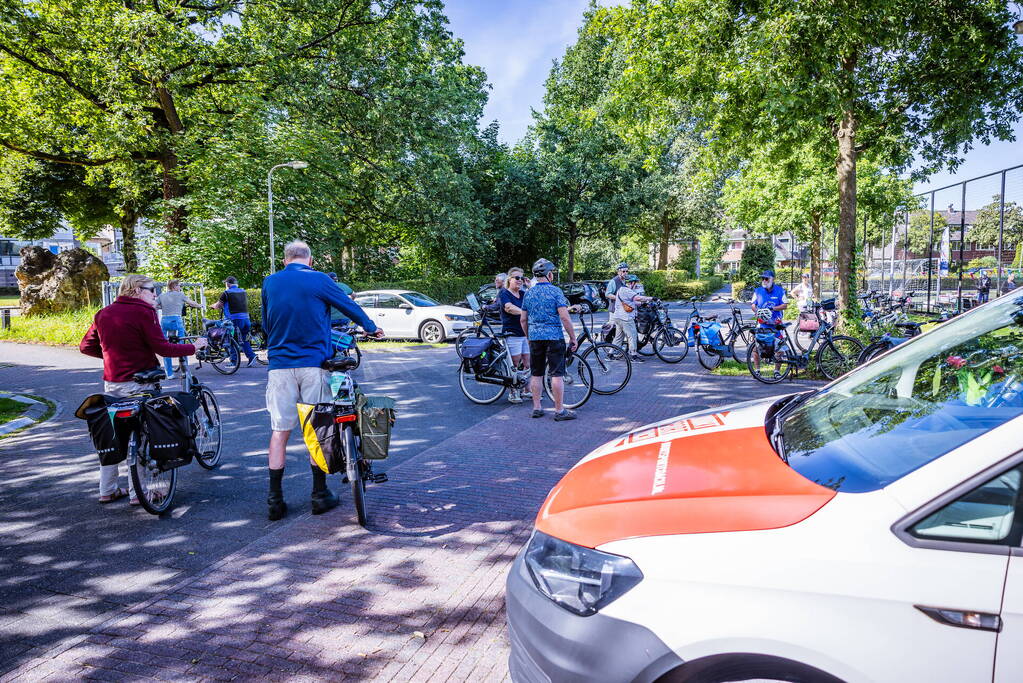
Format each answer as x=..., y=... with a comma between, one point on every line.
x=376, y=418
x=828, y=304
x=322, y=436
x=168, y=428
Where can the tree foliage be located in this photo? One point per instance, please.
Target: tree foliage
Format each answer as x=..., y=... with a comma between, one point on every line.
x=985, y=228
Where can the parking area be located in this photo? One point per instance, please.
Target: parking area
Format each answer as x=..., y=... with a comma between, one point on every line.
x=215, y=591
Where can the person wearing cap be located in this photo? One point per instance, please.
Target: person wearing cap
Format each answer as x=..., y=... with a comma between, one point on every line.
x=614, y=284
x=545, y=321
x=624, y=315
x=234, y=302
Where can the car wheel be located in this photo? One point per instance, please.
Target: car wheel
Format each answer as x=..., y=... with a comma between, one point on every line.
x=431, y=332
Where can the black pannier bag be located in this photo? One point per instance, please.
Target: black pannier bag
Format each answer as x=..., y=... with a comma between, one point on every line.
x=167, y=424
x=322, y=436
x=477, y=352
x=645, y=319
x=376, y=418
x=111, y=447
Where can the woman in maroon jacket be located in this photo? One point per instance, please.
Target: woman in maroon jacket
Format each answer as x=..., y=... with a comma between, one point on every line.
x=127, y=336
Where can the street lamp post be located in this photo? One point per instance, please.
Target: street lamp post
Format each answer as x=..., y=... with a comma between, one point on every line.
x=270, y=201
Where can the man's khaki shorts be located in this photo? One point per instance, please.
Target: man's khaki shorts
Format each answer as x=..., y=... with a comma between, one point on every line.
x=288, y=387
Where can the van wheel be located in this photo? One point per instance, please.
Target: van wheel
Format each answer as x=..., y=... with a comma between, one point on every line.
x=431, y=332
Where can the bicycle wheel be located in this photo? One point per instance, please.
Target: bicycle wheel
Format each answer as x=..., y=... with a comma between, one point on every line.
x=462, y=336
x=768, y=371
x=708, y=356
x=611, y=366
x=481, y=393
x=671, y=345
x=873, y=350
x=645, y=344
x=838, y=356
x=153, y=488
x=224, y=360
x=740, y=343
x=258, y=341
x=577, y=382
x=802, y=339
x=209, y=436
x=353, y=470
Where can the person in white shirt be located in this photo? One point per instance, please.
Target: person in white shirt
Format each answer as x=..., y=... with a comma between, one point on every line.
x=624, y=315
x=803, y=292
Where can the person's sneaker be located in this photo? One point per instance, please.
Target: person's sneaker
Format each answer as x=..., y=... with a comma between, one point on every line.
x=513, y=397
x=252, y=361
x=169, y=378
x=537, y=413
x=565, y=414
x=276, y=506
x=637, y=358
x=324, y=501
x=526, y=393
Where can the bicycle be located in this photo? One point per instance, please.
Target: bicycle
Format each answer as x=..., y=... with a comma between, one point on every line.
x=655, y=330
x=223, y=351
x=358, y=470
x=610, y=363
x=485, y=371
x=155, y=479
x=731, y=341
x=889, y=341
x=257, y=338
x=834, y=354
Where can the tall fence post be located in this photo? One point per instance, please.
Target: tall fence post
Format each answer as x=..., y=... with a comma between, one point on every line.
x=891, y=271
x=930, y=256
x=905, y=259
x=1001, y=227
x=962, y=244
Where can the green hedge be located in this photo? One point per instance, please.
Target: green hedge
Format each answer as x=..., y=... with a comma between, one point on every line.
x=677, y=284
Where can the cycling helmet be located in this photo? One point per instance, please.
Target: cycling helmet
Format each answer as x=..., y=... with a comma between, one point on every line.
x=543, y=267
x=622, y=265
x=632, y=278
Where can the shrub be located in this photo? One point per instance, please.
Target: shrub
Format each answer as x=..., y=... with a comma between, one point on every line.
x=737, y=287
x=757, y=256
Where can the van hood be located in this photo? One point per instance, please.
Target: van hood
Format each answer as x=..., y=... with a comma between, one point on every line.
x=698, y=473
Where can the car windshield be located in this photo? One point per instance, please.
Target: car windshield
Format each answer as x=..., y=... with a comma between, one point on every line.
x=912, y=405
x=417, y=299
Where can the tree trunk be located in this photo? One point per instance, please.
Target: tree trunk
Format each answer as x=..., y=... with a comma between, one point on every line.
x=662, y=253
x=572, y=235
x=845, y=165
x=815, y=254
x=128, y=249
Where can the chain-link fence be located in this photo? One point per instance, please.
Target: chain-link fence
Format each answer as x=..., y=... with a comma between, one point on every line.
x=960, y=246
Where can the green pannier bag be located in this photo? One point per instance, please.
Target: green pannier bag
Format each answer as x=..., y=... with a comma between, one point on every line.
x=376, y=418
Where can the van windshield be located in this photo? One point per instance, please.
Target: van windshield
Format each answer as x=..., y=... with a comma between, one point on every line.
x=913, y=405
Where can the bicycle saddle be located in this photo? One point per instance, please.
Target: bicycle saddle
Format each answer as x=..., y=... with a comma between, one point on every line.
x=340, y=364
x=149, y=376
x=712, y=316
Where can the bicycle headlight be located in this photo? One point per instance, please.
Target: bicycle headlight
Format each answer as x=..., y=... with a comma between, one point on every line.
x=581, y=580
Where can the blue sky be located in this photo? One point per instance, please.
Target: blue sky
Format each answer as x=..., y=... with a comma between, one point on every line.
x=515, y=41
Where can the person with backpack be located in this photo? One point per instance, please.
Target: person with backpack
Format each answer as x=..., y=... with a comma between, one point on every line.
x=614, y=284
x=234, y=302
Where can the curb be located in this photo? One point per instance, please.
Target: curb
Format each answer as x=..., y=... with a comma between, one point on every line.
x=36, y=410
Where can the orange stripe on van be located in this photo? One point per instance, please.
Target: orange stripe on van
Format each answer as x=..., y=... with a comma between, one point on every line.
x=718, y=481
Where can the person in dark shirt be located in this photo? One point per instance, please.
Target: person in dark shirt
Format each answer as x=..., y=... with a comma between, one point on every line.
x=509, y=298
x=235, y=304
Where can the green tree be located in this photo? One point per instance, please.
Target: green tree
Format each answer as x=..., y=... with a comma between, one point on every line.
x=757, y=256
x=985, y=227
x=921, y=238
x=896, y=78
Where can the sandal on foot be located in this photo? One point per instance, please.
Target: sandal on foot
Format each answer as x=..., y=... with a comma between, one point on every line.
x=118, y=494
x=134, y=501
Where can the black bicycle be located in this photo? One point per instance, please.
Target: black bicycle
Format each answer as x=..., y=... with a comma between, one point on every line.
x=222, y=350
x=155, y=478
x=834, y=354
x=610, y=363
x=257, y=338
x=657, y=335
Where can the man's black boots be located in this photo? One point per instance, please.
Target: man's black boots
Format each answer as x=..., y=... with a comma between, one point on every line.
x=276, y=507
x=322, y=499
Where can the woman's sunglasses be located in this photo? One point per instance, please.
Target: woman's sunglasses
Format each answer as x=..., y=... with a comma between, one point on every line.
x=149, y=289
x=517, y=277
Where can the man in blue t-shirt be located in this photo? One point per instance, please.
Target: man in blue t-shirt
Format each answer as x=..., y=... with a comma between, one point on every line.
x=769, y=295
x=509, y=300
x=544, y=316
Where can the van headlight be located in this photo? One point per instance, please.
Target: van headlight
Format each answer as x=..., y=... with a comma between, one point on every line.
x=581, y=580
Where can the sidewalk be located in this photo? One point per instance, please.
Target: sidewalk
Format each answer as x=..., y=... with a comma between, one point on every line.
x=417, y=596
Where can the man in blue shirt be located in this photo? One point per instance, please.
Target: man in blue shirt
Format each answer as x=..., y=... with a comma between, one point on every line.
x=296, y=319
x=544, y=316
x=769, y=295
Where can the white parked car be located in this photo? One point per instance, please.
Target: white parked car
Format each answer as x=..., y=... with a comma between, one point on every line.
x=404, y=314
x=867, y=531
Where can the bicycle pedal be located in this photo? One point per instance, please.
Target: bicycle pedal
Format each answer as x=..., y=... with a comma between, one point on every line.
x=378, y=477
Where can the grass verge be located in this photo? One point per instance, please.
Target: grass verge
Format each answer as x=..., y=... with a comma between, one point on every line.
x=10, y=409
x=730, y=368
x=51, y=409
x=9, y=300
x=62, y=328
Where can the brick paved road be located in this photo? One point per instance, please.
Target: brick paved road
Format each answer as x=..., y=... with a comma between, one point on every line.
x=215, y=591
